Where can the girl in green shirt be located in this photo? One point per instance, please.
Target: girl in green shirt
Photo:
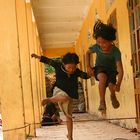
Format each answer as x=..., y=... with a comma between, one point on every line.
x=108, y=64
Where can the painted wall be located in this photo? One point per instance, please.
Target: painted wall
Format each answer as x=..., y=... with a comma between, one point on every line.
x=57, y=52
x=126, y=95
x=22, y=78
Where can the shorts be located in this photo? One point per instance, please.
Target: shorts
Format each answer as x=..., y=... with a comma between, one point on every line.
x=66, y=107
x=111, y=75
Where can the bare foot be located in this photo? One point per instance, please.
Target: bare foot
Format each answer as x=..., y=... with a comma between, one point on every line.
x=69, y=137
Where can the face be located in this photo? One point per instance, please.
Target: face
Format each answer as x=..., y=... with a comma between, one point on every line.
x=104, y=44
x=70, y=68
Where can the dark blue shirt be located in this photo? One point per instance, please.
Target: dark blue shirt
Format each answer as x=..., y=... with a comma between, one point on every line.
x=106, y=60
x=64, y=81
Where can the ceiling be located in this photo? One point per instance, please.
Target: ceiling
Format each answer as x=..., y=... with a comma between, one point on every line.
x=59, y=21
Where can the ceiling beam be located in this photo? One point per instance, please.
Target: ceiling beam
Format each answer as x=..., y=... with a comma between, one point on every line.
x=58, y=45
x=60, y=10
x=58, y=37
x=59, y=27
x=44, y=3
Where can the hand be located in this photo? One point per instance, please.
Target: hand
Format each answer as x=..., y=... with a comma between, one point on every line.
x=35, y=55
x=44, y=102
x=90, y=71
x=117, y=87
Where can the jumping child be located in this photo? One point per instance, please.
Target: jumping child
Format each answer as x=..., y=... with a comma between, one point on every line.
x=108, y=63
x=66, y=86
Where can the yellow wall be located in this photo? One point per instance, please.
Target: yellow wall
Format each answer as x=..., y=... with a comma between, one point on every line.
x=126, y=95
x=22, y=78
x=57, y=52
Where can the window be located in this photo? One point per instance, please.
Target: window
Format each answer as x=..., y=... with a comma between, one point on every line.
x=134, y=18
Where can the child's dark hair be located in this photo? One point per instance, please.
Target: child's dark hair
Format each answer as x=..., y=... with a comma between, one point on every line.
x=70, y=58
x=105, y=31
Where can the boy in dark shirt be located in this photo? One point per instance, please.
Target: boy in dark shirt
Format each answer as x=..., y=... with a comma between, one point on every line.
x=66, y=85
x=108, y=63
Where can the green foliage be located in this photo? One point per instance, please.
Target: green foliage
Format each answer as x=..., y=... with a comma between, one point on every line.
x=49, y=69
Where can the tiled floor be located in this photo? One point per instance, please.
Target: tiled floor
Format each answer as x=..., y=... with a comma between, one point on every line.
x=86, y=130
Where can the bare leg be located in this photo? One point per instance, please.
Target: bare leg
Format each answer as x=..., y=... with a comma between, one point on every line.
x=69, y=127
x=55, y=99
x=58, y=98
x=102, y=77
x=63, y=100
x=115, y=102
x=111, y=88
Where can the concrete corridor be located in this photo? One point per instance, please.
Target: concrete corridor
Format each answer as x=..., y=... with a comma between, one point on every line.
x=86, y=130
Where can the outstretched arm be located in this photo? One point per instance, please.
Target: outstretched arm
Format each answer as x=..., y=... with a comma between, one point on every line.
x=45, y=60
x=35, y=56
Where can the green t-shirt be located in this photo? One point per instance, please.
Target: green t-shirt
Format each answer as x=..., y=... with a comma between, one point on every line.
x=106, y=60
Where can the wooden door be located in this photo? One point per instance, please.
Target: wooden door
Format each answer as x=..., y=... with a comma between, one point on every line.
x=134, y=18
